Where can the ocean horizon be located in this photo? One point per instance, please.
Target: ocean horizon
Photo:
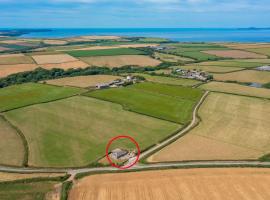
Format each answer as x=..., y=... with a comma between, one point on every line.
x=174, y=34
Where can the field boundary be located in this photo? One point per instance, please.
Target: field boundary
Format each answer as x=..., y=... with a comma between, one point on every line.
x=23, y=139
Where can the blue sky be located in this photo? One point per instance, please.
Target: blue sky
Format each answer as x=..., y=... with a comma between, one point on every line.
x=134, y=13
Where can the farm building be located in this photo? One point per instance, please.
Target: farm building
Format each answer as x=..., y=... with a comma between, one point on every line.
x=118, y=153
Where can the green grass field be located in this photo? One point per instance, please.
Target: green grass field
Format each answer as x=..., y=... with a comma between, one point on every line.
x=197, y=55
x=106, y=52
x=169, y=80
x=25, y=191
x=152, y=39
x=265, y=51
x=74, y=132
x=172, y=103
x=11, y=145
x=31, y=93
x=233, y=63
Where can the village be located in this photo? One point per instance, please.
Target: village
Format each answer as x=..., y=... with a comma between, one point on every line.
x=192, y=74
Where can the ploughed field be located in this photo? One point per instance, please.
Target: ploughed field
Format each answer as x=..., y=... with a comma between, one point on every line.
x=232, y=127
x=184, y=184
x=74, y=131
x=167, y=102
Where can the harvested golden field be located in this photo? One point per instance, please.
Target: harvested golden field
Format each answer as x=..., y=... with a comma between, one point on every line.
x=11, y=55
x=117, y=46
x=234, y=88
x=234, y=54
x=245, y=76
x=17, y=59
x=11, y=145
x=11, y=41
x=214, y=69
x=118, y=61
x=6, y=70
x=55, y=42
x=184, y=184
x=66, y=65
x=5, y=176
x=83, y=81
x=53, y=59
x=172, y=58
x=233, y=127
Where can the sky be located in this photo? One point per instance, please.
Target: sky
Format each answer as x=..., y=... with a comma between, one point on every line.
x=134, y=13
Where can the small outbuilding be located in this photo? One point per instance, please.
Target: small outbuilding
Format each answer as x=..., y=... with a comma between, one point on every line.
x=118, y=153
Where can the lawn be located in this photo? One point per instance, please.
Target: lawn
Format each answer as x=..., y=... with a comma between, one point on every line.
x=17, y=96
x=11, y=145
x=170, y=80
x=172, y=103
x=74, y=132
x=232, y=128
x=106, y=52
x=26, y=191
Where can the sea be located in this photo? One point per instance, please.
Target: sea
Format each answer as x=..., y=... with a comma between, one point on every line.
x=174, y=34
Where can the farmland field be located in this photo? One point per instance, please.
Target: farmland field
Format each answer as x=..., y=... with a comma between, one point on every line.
x=237, y=89
x=6, y=70
x=4, y=48
x=117, y=46
x=174, y=103
x=245, y=76
x=232, y=128
x=234, y=54
x=214, y=69
x=118, y=61
x=246, y=45
x=53, y=59
x=11, y=145
x=265, y=51
x=30, y=93
x=184, y=184
x=10, y=60
x=106, y=52
x=66, y=65
x=5, y=176
x=197, y=55
x=29, y=191
x=169, y=80
x=83, y=81
x=77, y=130
x=172, y=58
x=234, y=63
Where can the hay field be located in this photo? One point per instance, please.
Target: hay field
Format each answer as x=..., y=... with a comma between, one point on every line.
x=214, y=69
x=53, y=59
x=265, y=51
x=118, y=61
x=55, y=42
x=235, y=63
x=169, y=80
x=172, y=58
x=6, y=70
x=77, y=129
x=245, y=76
x=236, y=89
x=234, y=54
x=17, y=59
x=31, y=93
x=5, y=176
x=174, y=103
x=184, y=184
x=11, y=145
x=83, y=81
x=66, y=65
x=30, y=191
x=232, y=128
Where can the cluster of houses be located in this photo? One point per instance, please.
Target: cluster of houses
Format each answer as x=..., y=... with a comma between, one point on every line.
x=122, y=154
x=118, y=83
x=192, y=74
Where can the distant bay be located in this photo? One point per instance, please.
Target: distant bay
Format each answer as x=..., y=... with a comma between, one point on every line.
x=175, y=34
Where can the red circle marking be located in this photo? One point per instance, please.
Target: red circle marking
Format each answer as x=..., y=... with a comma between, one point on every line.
x=133, y=141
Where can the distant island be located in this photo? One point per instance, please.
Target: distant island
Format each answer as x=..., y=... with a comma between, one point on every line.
x=19, y=32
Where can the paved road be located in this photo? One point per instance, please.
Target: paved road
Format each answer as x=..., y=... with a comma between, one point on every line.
x=169, y=140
